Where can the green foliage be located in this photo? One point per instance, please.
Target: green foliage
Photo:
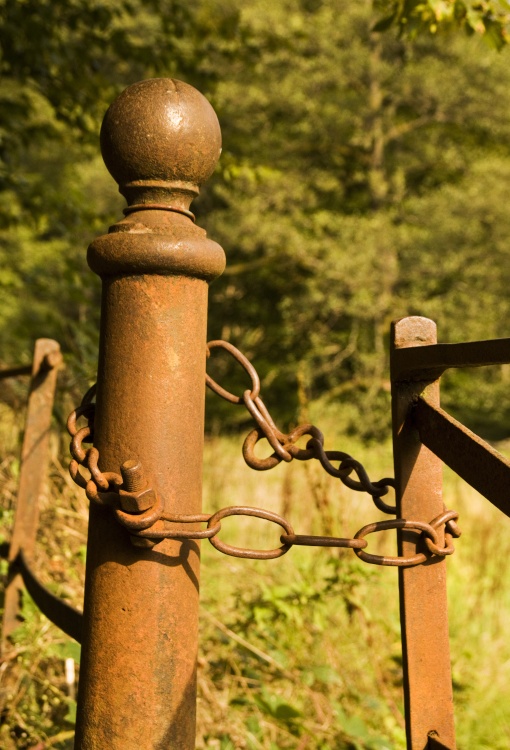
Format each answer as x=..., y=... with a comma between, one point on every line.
x=488, y=18
x=283, y=694
x=319, y=219
x=361, y=180
x=46, y=709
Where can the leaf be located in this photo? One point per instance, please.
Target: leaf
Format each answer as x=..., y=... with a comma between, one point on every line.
x=475, y=20
x=353, y=726
x=494, y=35
x=67, y=650
x=275, y=706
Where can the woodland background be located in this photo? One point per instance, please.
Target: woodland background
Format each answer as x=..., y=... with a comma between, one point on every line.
x=366, y=157
x=363, y=178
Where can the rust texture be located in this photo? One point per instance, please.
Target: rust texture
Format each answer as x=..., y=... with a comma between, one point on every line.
x=160, y=140
x=34, y=460
x=428, y=694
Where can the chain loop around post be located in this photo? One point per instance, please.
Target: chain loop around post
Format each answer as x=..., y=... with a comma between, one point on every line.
x=142, y=512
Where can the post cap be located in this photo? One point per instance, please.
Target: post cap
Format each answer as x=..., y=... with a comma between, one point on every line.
x=160, y=140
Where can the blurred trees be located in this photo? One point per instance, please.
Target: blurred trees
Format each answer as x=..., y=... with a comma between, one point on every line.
x=362, y=179
x=62, y=64
x=488, y=18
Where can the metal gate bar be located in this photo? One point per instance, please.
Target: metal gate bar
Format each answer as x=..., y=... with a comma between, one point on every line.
x=417, y=363
x=61, y=614
x=428, y=694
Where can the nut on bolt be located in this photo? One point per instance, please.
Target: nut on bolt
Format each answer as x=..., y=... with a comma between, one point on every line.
x=136, y=496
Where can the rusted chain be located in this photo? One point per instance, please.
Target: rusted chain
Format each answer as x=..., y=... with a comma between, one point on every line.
x=284, y=445
x=105, y=481
x=428, y=533
x=153, y=524
x=142, y=515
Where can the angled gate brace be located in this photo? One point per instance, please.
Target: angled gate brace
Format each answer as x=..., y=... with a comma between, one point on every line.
x=477, y=462
x=425, y=435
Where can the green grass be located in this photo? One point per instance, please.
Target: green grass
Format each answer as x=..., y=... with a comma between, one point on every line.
x=301, y=652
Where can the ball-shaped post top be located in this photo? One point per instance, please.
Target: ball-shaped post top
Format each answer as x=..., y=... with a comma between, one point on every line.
x=160, y=140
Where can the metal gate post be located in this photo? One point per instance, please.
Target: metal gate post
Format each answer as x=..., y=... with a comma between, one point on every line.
x=423, y=606
x=160, y=140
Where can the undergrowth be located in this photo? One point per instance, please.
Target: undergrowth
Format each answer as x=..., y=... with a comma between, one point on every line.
x=301, y=652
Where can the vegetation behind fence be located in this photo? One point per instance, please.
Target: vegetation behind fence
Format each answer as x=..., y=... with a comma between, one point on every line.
x=299, y=653
x=363, y=177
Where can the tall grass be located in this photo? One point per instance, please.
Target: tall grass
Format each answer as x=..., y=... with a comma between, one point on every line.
x=300, y=652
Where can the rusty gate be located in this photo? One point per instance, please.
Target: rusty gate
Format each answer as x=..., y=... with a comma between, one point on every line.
x=139, y=435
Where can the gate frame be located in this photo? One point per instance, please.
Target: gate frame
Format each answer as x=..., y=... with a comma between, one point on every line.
x=425, y=436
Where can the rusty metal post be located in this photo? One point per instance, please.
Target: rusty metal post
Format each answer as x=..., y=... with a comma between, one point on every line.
x=33, y=465
x=423, y=606
x=160, y=140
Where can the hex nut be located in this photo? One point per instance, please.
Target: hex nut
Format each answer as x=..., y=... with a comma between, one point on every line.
x=137, y=502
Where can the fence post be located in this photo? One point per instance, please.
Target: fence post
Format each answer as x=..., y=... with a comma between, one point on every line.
x=423, y=606
x=160, y=140
x=33, y=470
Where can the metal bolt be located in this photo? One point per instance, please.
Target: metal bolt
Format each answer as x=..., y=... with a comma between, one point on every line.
x=133, y=476
x=135, y=495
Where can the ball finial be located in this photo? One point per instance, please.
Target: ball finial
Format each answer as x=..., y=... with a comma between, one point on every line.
x=160, y=140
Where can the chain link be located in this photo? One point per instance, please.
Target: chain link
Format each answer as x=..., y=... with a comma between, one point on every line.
x=284, y=445
x=153, y=524
x=89, y=458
